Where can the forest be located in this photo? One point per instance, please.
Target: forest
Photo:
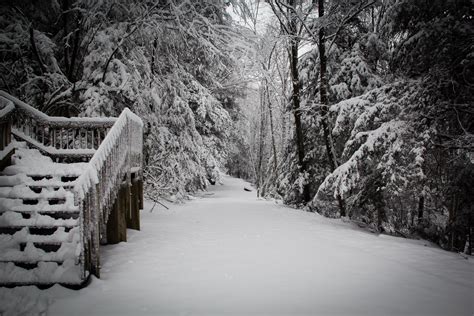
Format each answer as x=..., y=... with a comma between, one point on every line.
x=359, y=109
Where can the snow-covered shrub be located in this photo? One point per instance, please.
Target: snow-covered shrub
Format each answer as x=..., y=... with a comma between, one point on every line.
x=382, y=157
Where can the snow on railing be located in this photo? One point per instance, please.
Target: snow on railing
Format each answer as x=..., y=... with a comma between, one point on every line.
x=6, y=107
x=96, y=189
x=57, y=136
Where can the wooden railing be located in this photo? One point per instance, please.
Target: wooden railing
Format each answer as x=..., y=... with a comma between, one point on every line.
x=58, y=136
x=119, y=155
x=113, y=148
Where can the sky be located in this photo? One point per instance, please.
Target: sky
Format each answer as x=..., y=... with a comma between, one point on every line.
x=264, y=16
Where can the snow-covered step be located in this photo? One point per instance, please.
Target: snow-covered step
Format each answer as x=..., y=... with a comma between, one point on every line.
x=13, y=180
x=14, y=219
x=39, y=188
x=47, y=247
x=63, y=207
x=26, y=193
x=27, y=214
x=43, y=174
x=53, y=180
x=44, y=273
x=36, y=252
x=47, y=202
x=43, y=231
x=32, y=163
x=54, y=236
x=39, y=184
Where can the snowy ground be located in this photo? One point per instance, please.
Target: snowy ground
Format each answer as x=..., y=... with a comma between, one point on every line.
x=229, y=253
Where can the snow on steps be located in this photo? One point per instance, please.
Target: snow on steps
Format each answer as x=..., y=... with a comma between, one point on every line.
x=39, y=223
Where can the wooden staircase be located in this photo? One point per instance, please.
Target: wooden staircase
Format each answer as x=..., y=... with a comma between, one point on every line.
x=72, y=185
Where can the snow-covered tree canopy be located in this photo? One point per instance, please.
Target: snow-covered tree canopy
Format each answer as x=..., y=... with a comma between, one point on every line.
x=172, y=62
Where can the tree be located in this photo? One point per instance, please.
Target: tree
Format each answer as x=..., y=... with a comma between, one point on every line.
x=289, y=22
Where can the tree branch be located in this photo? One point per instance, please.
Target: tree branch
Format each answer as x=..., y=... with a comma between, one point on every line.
x=35, y=50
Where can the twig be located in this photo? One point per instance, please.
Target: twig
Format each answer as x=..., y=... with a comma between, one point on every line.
x=156, y=201
x=154, y=204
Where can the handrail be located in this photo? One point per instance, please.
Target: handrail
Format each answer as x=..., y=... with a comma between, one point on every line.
x=57, y=136
x=96, y=189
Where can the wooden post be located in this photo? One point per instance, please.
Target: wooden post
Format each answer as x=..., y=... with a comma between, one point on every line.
x=133, y=218
x=117, y=223
x=5, y=134
x=140, y=193
x=5, y=140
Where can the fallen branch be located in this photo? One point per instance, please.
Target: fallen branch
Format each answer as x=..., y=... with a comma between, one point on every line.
x=155, y=202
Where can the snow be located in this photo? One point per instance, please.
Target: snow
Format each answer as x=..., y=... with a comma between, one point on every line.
x=13, y=219
x=67, y=272
x=23, y=236
x=32, y=163
x=24, y=192
x=231, y=253
x=13, y=180
x=33, y=254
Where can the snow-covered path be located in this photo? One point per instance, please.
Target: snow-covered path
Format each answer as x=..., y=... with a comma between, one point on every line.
x=229, y=253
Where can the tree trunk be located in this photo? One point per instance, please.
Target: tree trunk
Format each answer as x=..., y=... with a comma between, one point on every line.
x=296, y=98
x=272, y=128
x=65, y=13
x=421, y=206
x=260, y=145
x=324, y=100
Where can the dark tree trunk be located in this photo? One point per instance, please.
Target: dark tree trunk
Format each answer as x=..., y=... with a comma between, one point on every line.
x=65, y=14
x=324, y=100
x=296, y=98
x=261, y=145
x=272, y=129
x=421, y=207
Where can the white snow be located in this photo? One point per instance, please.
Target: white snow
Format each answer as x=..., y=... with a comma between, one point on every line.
x=67, y=272
x=32, y=162
x=13, y=219
x=230, y=253
x=22, y=236
x=33, y=254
